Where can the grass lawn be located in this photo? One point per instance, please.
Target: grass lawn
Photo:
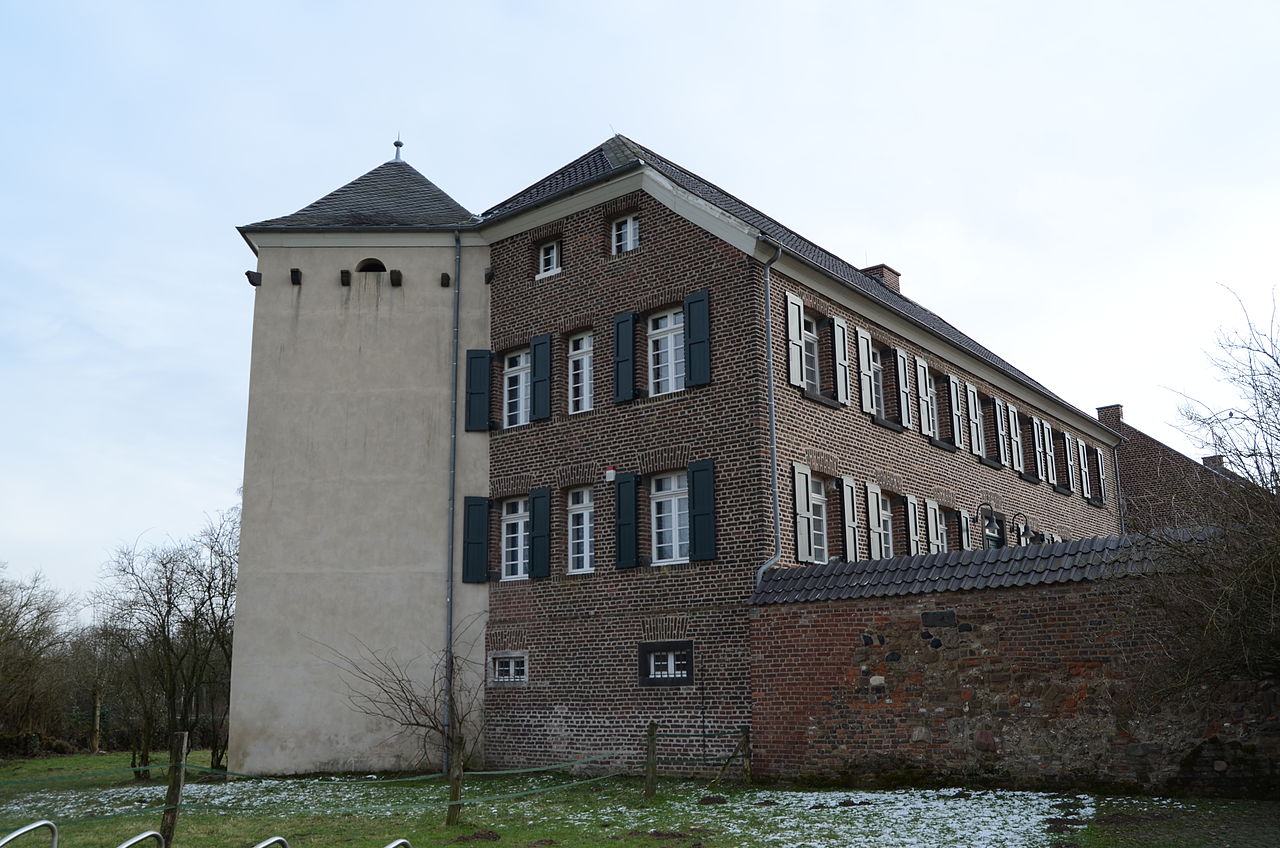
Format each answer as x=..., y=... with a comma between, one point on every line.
x=542, y=810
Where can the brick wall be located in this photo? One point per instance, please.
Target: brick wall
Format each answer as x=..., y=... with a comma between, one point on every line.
x=1025, y=686
x=582, y=631
x=1161, y=487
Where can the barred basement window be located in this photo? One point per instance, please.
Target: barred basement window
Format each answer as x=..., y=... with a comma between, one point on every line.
x=666, y=663
x=509, y=667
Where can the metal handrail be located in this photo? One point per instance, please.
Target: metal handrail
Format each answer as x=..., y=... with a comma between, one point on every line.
x=141, y=837
x=53, y=829
x=274, y=840
x=399, y=843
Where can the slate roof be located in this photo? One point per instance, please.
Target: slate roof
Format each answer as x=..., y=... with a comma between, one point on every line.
x=391, y=196
x=620, y=154
x=1097, y=558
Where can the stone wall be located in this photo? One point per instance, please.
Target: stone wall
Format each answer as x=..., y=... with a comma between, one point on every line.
x=1031, y=686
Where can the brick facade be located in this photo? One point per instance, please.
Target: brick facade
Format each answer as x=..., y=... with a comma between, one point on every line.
x=1027, y=686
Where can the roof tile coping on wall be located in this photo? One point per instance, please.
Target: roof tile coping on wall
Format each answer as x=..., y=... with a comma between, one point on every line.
x=1094, y=558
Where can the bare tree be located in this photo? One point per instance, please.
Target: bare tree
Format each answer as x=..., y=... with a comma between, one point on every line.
x=1219, y=588
x=435, y=698
x=34, y=623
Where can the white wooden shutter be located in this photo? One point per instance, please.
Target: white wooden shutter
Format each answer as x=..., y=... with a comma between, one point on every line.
x=1037, y=437
x=904, y=388
x=1015, y=439
x=963, y=518
x=1083, y=450
x=840, y=344
x=1102, y=476
x=957, y=413
x=913, y=525
x=849, y=503
x=1069, y=452
x=1002, y=429
x=923, y=384
x=1050, y=458
x=864, y=371
x=977, y=438
x=875, y=523
x=804, y=513
x=936, y=527
x=795, y=340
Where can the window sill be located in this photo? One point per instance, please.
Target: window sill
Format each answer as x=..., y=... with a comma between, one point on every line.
x=575, y=571
x=1029, y=477
x=546, y=274
x=821, y=398
x=887, y=424
x=509, y=684
x=513, y=579
x=658, y=563
x=990, y=463
x=942, y=445
x=1096, y=501
x=1061, y=489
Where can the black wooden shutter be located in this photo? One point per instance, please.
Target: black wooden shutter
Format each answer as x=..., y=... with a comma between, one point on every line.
x=540, y=533
x=626, y=524
x=475, y=539
x=540, y=353
x=702, y=510
x=697, y=339
x=624, y=357
x=477, y=404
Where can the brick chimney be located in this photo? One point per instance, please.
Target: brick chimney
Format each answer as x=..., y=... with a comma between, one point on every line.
x=1215, y=463
x=884, y=274
x=1112, y=416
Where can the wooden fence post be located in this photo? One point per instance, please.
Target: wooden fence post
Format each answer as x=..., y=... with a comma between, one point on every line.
x=177, y=777
x=746, y=754
x=651, y=761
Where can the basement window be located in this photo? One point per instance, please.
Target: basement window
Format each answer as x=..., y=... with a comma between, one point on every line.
x=666, y=663
x=509, y=667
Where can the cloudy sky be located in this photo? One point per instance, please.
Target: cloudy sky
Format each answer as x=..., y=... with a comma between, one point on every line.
x=1079, y=185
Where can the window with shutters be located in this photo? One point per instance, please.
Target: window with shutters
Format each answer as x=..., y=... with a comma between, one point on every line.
x=977, y=421
x=877, y=383
x=1000, y=430
x=666, y=663
x=626, y=234
x=517, y=392
x=961, y=530
x=580, y=511
x=935, y=527
x=515, y=539
x=928, y=395
x=1068, y=464
x=817, y=354
x=1082, y=452
x=666, y=352
x=1093, y=470
x=669, y=513
x=879, y=523
x=1015, y=438
x=581, y=370
x=548, y=259
x=508, y=667
x=824, y=506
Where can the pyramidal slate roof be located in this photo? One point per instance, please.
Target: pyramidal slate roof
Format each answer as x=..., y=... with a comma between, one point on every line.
x=620, y=154
x=1098, y=558
x=393, y=195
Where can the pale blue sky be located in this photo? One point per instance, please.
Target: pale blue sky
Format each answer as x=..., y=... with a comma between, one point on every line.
x=1069, y=184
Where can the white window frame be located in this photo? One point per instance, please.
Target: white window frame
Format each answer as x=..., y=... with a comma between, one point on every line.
x=667, y=664
x=935, y=527
x=927, y=393
x=515, y=538
x=580, y=520
x=548, y=259
x=977, y=424
x=1002, y=429
x=821, y=543
x=877, y=382
x=879, y=523
x=581, y=373
x=1015, y=438
x=669, y=518
x=517, y=388
x=625, y=234
x=666, y=352
x=1086, y=490
x=811, y=371
x=509, y=667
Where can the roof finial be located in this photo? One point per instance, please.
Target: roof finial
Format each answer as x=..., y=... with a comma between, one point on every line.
x=399, y=144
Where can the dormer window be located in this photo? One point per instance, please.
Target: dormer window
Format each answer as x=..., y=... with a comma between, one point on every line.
x=371, y=266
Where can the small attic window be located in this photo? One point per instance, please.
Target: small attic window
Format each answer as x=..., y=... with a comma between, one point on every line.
x=371, y=265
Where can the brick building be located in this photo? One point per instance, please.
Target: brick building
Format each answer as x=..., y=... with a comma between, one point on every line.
x=678, y=405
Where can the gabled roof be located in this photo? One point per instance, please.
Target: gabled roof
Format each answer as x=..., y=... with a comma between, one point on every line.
x=391, y=196
x=1096, y=558
x=620, y=154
